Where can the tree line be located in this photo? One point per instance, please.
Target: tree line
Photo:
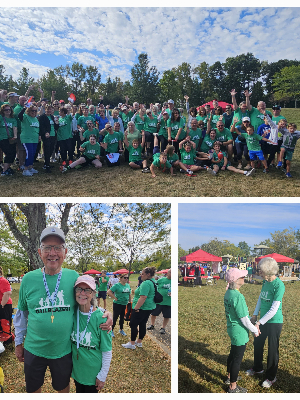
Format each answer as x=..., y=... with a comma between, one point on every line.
x=99, y=236
x=285, y=242
x=275, y=82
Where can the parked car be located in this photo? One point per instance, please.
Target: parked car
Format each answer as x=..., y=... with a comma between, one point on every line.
x=12, y=279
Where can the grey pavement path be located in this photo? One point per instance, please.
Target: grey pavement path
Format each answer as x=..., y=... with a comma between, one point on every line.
x=164, y=340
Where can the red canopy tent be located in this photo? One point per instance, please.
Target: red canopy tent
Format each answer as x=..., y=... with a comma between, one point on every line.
x=222, y=104
x=92, y=272
x=163, y=271
x=201, y=256
x=277, y=257
x=122, y=271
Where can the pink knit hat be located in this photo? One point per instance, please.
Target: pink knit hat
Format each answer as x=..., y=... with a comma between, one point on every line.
x=234, y=274
x=89, y=280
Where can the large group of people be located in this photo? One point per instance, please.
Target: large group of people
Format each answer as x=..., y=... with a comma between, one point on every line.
x=149, y=138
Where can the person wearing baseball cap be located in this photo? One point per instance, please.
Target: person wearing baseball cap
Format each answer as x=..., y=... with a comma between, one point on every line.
x=91, y=347
x=45, y=314
x=238, y=325
x=170, y=107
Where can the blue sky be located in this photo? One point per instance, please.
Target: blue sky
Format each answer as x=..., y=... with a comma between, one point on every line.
x=112, y=38
x=252, y=223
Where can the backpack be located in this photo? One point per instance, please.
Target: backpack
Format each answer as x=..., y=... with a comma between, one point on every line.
x=158, y=298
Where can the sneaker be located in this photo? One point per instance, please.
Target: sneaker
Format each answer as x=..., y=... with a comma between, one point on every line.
x=155, y=134
x=146, y=170
x=251, y=372
x=57, y=155
x=138, y=344
x=129, y=346
x=248, y=166
x=26, y=172
x=266, y=170
x=267, y=384
x=11, y=171
x=279, y=164
x=227, y=382
x=239, y=166
x=22, y=167
x=6, y=173
x=190, y=172
x=251, y=172
x=211, y=171
x=64, y=163
x=40, y=156
x=64, y=169
x=112, y=334
x=70, y=162
x=182, y=170
x=288, y=175
x=122, y=332
x=33, y=171
x=52, y=160
x=150, y=328
x=238, y=389
x=162, y=330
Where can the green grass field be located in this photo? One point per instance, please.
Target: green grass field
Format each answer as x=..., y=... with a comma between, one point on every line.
x=124, y=182
x=203, y=343
x=131, y=371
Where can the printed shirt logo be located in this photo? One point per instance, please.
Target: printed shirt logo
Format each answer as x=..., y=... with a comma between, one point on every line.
x=91, y=151
x=35, y=124
x=9, y=124
x=86, y=340
x=187, y=157
x=264, y=296
x=46, y=305
x=114, y=141
x=135, y=153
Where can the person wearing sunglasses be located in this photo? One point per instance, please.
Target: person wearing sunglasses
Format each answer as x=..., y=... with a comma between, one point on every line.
x=30, y=137
x=120, y=292
x=8, y=138
x=91, y=347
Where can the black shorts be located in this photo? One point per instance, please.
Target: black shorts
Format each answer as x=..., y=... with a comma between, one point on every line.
x=165, y=310
x=88, y=160
x=102, y=294
x=35, y=369
x=139, y=162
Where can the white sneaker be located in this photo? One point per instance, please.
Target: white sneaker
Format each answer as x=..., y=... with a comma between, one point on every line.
x=211, y=171
x=33, y=171
x=129, y=346
x=267, y=384
x=190, y=172
x=138, y=344
x=40, y=156
x=26, y=172
x=251, y=372
x=251, y=172
x=52, y=160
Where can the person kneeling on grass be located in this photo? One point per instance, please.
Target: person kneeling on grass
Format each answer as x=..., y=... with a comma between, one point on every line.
x=135, y=153
x=238, y=325
x=160, y=160
x=290, y=137
x=188, y=154
x=219, y=161
x=254, y=146
x=91, y=154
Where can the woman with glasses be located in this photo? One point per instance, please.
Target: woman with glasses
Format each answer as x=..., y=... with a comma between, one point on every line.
x=120, y=292
x=91, y=346
x=175, y=126
x=8, y=137
x=240, y=143
x=217, y=117
x=30, y=128
x=201, y=116
x=142, y=305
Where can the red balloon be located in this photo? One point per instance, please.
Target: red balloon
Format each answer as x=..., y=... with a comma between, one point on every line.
x=220, y=155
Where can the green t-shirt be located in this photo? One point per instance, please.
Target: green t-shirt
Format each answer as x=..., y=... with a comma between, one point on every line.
x=52, y=131
x=156, y=162
x=150, y=125
x=236, y=308
x=44, y=338
x=195, y=135
x=125, y=118
x=277, y=119
x=11, y=123
x=30, y=128
x=175, y=126
x=112, y=141
x=174, y=157
x=163, y=129
x=252, y=141
x=135, y=135
x=188, y=158
x=139, y=123
x=135, y=154
x=93, y=344
x=215, y=158
x=207, y=144
x=91, y=150
x=103, y=285
x=272, y=291
x=214, y=121
x=223, y=136
x=145, y=289
x=64, y=131
x=82, y=121
x=202, y=118
x=257, y=118
x=122, y=293
x=86, y=134
x=240, y=115
x=164, y=286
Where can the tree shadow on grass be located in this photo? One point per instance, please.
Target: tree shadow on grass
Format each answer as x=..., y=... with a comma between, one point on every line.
x=212, y=379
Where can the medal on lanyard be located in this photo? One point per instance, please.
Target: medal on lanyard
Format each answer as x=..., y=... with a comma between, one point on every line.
x=78, y=340
x=53, y=297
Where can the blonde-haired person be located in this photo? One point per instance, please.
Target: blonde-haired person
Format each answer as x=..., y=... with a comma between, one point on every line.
x=142, y=305
x=238, y=326
x=269, y=305
x=120, y=292
x=91, y=346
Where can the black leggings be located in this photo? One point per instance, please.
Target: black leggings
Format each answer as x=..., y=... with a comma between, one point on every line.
x=139, y=319
x=66, y=146
x=48, y=144
x=85, y=388
x=118, y=311
x=234, y=361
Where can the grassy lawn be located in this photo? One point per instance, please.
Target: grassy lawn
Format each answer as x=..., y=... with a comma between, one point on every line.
x=203, y=343
x=124, y=182
x=130, y=371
